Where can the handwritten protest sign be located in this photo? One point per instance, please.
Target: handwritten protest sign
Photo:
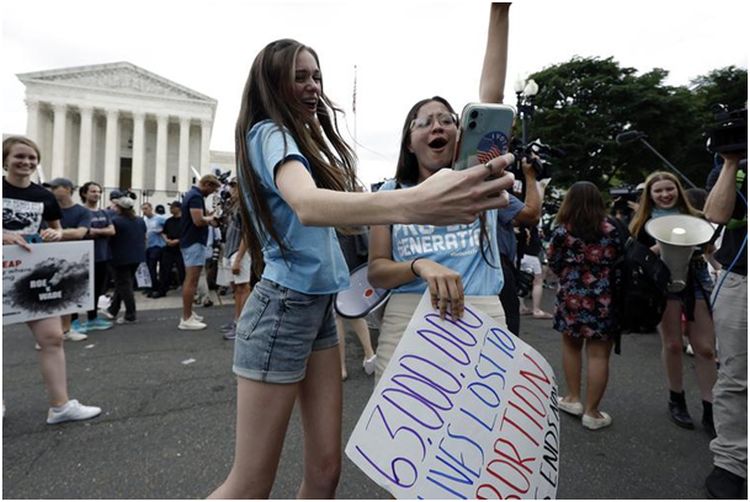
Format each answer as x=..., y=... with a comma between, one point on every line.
x=53, y=279
x=465, y=409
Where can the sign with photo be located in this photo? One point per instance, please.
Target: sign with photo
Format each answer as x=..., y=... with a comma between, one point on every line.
x=52, y=279
x=465, y=409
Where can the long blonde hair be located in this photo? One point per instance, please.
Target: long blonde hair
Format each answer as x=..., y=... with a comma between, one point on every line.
x=646, y=204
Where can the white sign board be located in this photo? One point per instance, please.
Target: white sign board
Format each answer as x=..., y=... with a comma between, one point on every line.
x=465, y=409
x=52, y=279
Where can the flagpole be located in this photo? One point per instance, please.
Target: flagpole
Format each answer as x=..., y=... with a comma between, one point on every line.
x=354, y=108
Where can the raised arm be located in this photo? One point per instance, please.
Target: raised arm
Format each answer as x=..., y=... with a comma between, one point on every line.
x=720, y=201
x=492, y=81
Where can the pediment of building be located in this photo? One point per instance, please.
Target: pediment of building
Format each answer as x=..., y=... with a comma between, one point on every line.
x=125, y=78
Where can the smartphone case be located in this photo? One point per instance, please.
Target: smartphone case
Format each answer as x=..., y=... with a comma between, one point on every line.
x=484, y=133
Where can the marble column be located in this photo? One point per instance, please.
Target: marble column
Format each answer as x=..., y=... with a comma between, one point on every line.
x=32, y=120
x=162, y=123
x=111, y=155
x=205, y=146
x=139, y=149
x=58, y=140
x=84, y=145
x=183, y=169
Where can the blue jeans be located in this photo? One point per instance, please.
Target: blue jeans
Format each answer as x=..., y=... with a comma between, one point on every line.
x=277, y=331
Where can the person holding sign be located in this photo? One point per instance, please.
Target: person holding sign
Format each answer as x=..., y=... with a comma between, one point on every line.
x=25, y=206
x=583, y=249
x=293, y=170
x=451, y=261
x=456, y=263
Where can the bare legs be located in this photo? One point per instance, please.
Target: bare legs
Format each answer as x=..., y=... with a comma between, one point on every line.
x=363, y=335
x=48, y=334
x=192, y=274
x=241, y=292
x=263, y=412
x=597, y=357
x=572, y=367
x=702, y=339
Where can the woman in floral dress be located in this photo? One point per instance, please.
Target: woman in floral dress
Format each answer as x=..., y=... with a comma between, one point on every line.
x=583, y=249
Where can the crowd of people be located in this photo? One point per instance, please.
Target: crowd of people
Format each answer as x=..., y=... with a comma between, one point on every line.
x=296, y=218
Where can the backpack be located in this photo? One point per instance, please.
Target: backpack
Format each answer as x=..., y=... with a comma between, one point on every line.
x=640, y=285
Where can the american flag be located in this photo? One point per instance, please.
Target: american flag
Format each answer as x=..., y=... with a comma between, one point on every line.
x=484, y=157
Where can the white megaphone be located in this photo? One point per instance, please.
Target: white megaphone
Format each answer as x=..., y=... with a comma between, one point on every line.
x=677, y=235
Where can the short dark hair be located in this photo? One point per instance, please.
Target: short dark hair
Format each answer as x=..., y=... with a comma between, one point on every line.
x=85, y=189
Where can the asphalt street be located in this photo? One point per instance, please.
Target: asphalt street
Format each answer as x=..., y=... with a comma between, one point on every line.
x=167, y=429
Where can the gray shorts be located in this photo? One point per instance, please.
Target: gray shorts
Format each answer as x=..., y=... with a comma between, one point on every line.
x=278, y=330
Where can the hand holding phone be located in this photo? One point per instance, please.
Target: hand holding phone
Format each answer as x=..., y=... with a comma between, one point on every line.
x=484, y=133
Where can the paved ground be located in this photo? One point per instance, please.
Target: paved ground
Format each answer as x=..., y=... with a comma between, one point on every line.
x=168, y=427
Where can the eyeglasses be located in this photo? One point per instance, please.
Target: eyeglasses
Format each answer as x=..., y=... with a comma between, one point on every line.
x=444, y=119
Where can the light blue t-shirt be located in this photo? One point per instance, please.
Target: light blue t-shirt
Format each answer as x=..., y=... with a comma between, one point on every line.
x=454, y=246
x=314, y=262
x=154, y=228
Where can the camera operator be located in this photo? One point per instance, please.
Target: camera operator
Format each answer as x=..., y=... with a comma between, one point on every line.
x=727, y=204
x=527, y=212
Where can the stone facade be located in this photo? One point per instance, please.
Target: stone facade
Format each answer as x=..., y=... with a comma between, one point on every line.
x=122, y=126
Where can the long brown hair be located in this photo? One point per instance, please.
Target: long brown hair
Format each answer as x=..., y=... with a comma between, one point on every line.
x=407, y=168
x=646, y=203
x=269, y=95
x=583, y=211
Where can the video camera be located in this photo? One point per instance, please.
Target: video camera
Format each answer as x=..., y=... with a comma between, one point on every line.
x=728, y=133
x=622, y=195
x=222, y=203
x=541, y=164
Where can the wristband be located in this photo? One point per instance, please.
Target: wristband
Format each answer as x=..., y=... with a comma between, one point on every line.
x=412, y=267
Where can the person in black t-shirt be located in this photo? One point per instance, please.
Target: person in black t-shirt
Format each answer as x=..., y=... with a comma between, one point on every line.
x=172, y=256
x=25, y=206
x=727, y=204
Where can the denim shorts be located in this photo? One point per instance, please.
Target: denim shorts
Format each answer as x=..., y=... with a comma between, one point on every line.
x=278, y=330
x=702, y=282
x=194, y=255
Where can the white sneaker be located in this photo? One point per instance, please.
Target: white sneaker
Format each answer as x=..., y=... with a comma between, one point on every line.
x=197, y=317
x=37, y=346
x=74, y=336
x=593, y=423
x=191, y=324
x=575, y=409
x=369, y=364
x=72, y=410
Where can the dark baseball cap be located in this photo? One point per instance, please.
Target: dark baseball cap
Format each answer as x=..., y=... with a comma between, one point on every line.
x=59, y=182
x=116, y=194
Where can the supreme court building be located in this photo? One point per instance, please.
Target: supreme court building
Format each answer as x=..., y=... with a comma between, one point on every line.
x=123, y=127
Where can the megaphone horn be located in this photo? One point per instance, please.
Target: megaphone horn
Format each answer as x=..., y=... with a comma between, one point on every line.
x=677, y=235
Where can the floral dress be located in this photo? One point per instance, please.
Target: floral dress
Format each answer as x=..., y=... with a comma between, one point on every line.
x=584, y=299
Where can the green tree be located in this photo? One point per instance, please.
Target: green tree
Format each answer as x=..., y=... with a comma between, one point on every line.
x=583, y=104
